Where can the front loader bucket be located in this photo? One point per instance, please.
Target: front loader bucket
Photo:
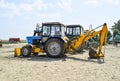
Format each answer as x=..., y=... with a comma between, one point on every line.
x=17, y=52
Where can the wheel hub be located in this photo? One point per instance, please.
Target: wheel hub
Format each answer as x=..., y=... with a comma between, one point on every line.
x=25, y=51
x=54, y=48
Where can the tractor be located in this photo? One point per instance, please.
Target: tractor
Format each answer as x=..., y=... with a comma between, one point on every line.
x=49, y=38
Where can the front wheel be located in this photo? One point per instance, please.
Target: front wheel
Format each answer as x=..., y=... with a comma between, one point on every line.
x=26, y=51
x=55, y=48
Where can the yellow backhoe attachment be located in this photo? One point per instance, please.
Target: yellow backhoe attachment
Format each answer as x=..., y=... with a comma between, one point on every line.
x=88, y=35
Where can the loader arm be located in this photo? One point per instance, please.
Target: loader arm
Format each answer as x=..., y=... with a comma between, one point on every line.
x=83, y=37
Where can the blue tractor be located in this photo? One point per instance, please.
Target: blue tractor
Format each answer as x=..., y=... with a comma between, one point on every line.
x=49, y=38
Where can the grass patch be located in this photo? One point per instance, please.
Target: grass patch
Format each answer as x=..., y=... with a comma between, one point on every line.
x=7, y=42
x=23, y=41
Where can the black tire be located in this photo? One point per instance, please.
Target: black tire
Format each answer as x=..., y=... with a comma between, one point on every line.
x=92, y=53
x=0, y=45
x=26, y=51
x=54, y=48
x=80, y=48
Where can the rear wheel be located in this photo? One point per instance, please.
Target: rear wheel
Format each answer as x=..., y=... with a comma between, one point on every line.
x=26, y=51
x=55, y=48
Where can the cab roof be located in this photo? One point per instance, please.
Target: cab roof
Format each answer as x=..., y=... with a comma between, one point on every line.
x=52, y=23
x=73, y=25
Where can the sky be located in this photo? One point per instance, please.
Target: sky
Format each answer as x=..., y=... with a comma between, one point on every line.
x=18, y=18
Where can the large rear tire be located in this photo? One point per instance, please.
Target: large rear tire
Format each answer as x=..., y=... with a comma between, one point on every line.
x=54, y=48
x=26, y=51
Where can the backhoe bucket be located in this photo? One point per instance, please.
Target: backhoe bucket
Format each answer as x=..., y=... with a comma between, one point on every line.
x=94, y=55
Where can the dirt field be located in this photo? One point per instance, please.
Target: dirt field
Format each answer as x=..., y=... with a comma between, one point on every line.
x=69, y=68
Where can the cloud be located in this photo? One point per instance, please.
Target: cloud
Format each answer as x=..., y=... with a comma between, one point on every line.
x=113, y=2
x=36, y=7
x=49, y=15
x=23, y=8
x=92, y=2
x=66, y=5
x=26, y=7
x=97, y=3
x=6, y=5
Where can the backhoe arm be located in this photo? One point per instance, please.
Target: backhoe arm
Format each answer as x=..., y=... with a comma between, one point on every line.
x=83, y=37
x=103, y=37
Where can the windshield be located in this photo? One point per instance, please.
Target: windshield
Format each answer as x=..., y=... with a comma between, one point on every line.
x=69, y=31
x=76, y=31
x=55, y=30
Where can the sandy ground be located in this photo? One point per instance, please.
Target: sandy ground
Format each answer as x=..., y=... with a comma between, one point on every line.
x=69, y=68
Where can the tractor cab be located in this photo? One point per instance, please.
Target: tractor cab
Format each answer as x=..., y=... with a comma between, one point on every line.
x=52, y=30
x=49, y=29
x=46, y=31
x=73, y=30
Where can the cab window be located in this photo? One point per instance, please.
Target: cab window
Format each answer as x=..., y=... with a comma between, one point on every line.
x=46, y=30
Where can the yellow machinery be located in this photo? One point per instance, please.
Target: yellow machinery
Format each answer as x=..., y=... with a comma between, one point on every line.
x=86, y=36
x=56, y=46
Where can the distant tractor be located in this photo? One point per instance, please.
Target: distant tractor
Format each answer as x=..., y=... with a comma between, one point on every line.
x=50, y=37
